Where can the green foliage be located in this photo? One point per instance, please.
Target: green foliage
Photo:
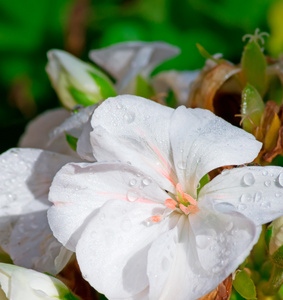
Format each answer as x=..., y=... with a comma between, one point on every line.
x=244, y=285
x=72, y=141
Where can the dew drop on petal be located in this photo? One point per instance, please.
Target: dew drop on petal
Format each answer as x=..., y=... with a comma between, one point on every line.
x=248, y=179
x=203, y=241
x=267, y=183
x=133, y=182
x=242, y=206
x=181, y=165
x=258, y=196
x=280, y=179
x=129, y=117
x=132, y=195
x=264, y=173
x=146, y=181
x=245, y=198
x=266, y=204
x=277, y=195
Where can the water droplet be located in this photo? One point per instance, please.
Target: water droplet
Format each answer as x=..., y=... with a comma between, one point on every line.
x=258, y=196
x=280, y=179
x=216, y=269
x=133, y=195
x=245, y=198
x=242, y=206
x=119, y=106
x=181, y=165
x=133, y=182
x=225, y=172
x=11, y=197
x=266, y=204
x=126, y=224
x=165, y=264
x=248, y=179
x=264, y=173
x=267, y=183
x=229, y=226
x=278, y=194
x=198, y=160
x=129, y=117
x=146, y=181
x=203, y=240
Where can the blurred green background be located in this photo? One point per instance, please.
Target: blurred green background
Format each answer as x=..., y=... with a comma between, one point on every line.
x=28, y=29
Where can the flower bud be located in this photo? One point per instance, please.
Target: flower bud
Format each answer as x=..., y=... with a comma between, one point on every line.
x=75, y=81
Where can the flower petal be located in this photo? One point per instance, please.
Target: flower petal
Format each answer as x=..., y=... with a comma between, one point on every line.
x=26, y=176
x=112, y=252
x=191, y=260
x=126, y=60
x=202, y=142
x=256, y=192
x=79, y=190
x=138, y=133
x=37, y=132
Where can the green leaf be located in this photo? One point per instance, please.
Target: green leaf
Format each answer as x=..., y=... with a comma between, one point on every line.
x=171, y=99
x=206, y=54
x=202, y=182
x=244, y=285
x=268, y=235
x=72, y=141
x=252, y=108
x=143, y=88
x=254, y=66
x=106, y=88
x=277, y=257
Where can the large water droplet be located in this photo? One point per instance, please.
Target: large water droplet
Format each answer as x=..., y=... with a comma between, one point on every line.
x=280, y=179
x=146, y=181
x=133, y=195
x=266, y=204
x=258, y=196
x=181, y=165
x=133, y=182
x=129, y=117
x=248, y=179
x=203, y=240
x=245, y=198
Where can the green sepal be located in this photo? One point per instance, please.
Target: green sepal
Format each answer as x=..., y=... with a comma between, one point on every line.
x=254, y=66
x=143, y=88
x=68, y=296
x=82, y=98
x=171, y=99
x=204, y=180
x=205, y=54
x=244, y=285
x=106, y=88
x=72, y=141
x=277, y=257
x=268, y=235
x=252, y=108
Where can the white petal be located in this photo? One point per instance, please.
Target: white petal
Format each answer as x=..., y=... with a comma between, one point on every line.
x=177, y=81
x=134, y=129
x=26, y=176
x=202, y=142
x=79, y=190
x=204, y=251
x=112, y=252
x=37, y=132
x=256, y=192
x=125, y=60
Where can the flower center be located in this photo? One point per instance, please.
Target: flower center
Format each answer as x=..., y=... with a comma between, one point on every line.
x=184, y=202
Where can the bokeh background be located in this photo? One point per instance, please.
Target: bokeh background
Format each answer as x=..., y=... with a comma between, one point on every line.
x=28, y=29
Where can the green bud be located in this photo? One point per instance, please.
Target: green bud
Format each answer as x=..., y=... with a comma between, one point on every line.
x=75, y=81
x=244, y=285
x=252, y=108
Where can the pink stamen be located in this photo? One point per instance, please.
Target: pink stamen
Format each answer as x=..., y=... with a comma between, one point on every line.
x=156, y=218
x=190, y=199
x=192, y=209
x=170, y=203
x=184, y=209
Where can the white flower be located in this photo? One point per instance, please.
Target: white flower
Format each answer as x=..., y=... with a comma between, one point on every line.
x=26, y=175
x=75, y=81
x=18, y=283
x=139, y=227
x=125, y=61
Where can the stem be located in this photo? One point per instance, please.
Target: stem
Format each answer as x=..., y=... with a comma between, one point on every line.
x=275, y=282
